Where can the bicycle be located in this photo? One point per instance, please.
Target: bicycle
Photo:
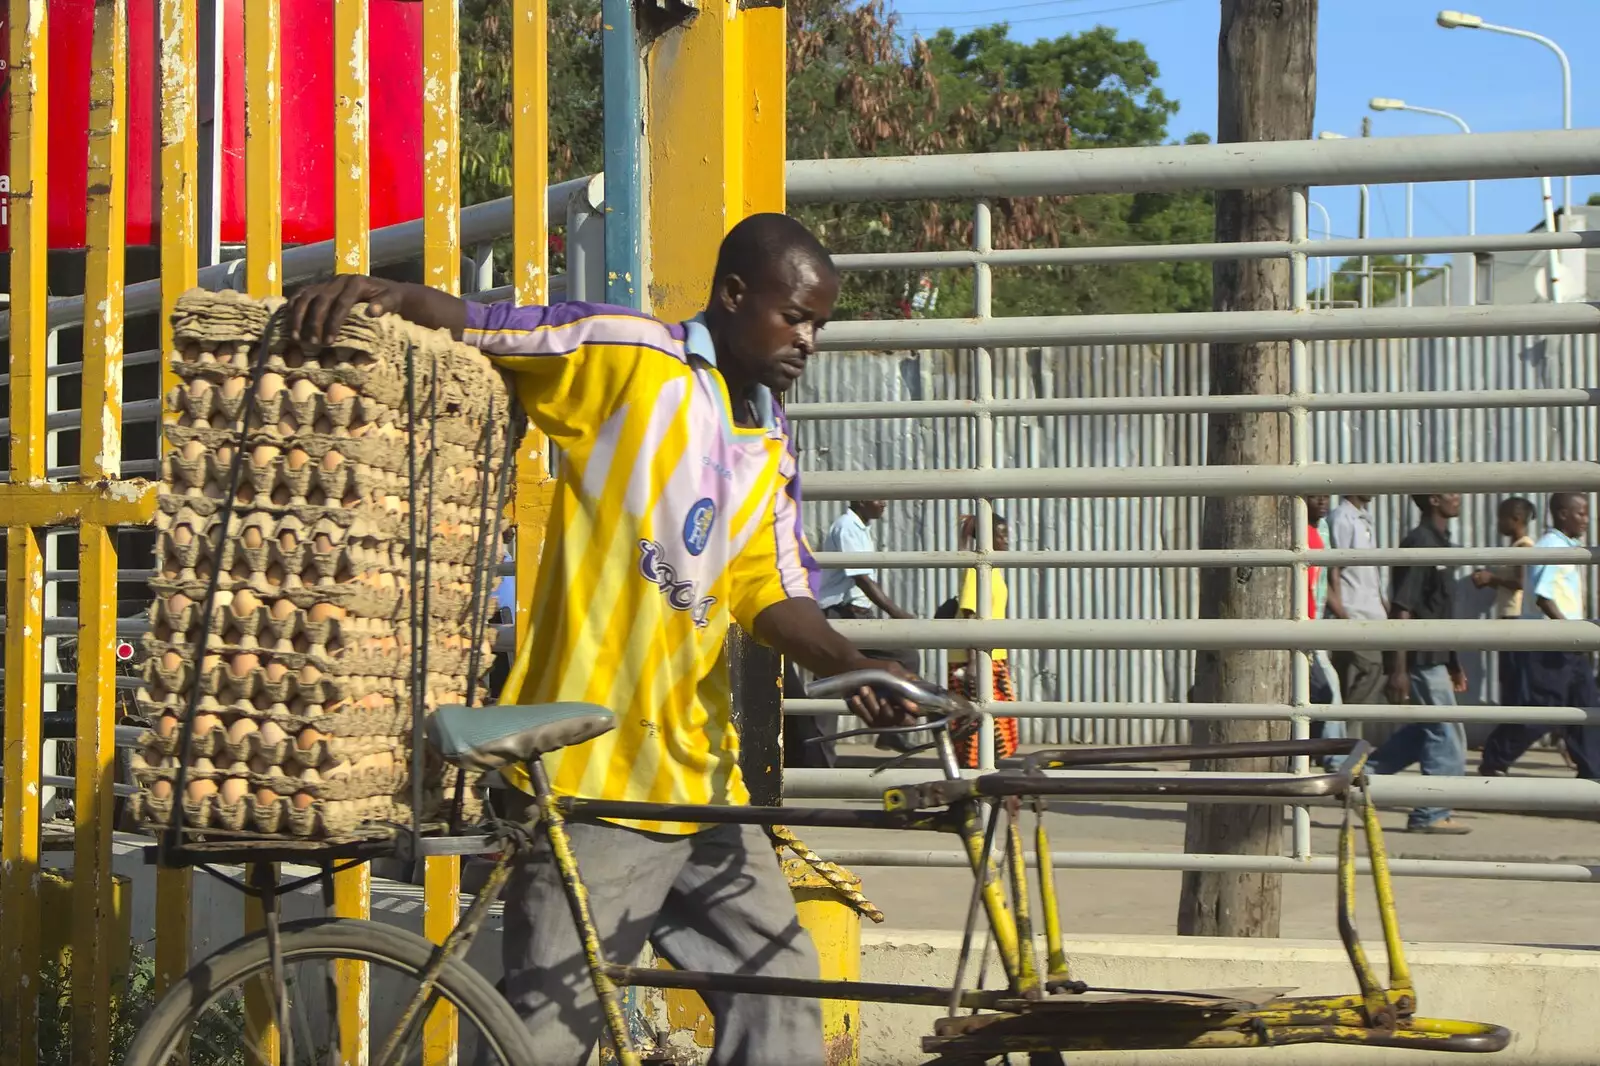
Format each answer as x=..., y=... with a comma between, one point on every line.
x=1043, y=1011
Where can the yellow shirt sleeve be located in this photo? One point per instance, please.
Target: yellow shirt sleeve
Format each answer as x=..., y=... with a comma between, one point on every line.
x=571, y=363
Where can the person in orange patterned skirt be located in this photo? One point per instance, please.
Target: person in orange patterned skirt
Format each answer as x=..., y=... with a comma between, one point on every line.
x=964, y=666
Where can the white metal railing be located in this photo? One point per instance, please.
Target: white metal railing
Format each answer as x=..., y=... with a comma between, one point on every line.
x=983, y=178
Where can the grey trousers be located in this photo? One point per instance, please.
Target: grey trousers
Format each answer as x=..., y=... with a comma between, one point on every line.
x=716, y=901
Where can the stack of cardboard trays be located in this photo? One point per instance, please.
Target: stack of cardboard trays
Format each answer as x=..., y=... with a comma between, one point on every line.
x=303, y=723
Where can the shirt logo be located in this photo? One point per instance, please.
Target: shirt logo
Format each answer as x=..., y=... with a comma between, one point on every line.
x=697, y=527
x=680, y=594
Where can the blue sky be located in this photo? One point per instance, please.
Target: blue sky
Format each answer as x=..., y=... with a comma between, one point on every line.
x=1365, y=48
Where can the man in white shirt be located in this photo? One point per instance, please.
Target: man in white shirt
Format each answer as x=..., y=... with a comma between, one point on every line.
x=846, y=593
x=852, y=592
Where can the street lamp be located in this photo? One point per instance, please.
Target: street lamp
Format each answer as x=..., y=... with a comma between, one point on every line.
x=1460, y=20
x=1389, y=103
x=1361, y=231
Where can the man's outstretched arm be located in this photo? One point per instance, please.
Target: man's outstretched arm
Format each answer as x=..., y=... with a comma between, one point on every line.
x=317, y=311
x=798, y=628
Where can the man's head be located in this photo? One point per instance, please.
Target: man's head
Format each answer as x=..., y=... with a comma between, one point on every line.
x=1513, y=516
x=774, y=288
x=869, y=510
x=1002, y=534
x=1316, y=508
x=1357, y=501
x=1569, y=512
x=1444, y=505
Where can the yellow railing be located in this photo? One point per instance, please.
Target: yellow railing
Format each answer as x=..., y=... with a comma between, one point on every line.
x=725, y=63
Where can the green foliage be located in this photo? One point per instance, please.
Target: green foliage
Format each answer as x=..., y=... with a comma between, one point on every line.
x=215, y=1041
x=858, y=88
x=1387, y=274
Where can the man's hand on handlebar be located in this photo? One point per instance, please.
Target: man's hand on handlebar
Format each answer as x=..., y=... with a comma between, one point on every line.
x=880, y=709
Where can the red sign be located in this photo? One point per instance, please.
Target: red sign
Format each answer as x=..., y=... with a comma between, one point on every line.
x=394, y=108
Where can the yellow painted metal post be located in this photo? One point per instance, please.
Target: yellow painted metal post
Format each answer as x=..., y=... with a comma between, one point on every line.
x=179, y=124
x=530, y=266
x=766, y=107
x=94, y=925
x=19, y=810
x=441, y=268
x=352, y=887
x=263, y=254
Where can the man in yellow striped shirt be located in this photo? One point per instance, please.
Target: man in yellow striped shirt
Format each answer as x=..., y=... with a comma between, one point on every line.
x=677, y=512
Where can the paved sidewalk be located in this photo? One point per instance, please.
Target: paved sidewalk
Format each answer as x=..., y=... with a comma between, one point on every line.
x=1145, y=902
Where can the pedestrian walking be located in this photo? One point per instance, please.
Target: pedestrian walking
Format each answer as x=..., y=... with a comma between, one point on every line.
x=1426, y=593
x=1355, y=593
x=1325, y=688
x=1553, y=591
x=964, y=664
x=1514, y=516
x=850, y=592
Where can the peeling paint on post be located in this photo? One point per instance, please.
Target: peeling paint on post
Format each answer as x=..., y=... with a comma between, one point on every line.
x=94, y=925
x=19, y=807
x=352, y=223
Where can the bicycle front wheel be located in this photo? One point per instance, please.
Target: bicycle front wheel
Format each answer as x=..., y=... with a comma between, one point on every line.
x=213, y=1016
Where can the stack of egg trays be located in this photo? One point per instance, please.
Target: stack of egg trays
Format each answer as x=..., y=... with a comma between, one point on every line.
x=302, y=679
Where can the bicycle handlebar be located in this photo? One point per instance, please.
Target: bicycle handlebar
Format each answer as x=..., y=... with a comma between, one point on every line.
x=923, y=693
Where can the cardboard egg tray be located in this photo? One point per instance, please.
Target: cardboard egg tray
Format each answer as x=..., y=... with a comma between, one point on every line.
x=301, y=676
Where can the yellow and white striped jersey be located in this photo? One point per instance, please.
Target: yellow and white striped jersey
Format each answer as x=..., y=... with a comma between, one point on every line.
x=669, y=522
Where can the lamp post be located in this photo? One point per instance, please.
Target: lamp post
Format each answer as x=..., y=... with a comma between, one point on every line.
x=1327, y=264
x=1386, y=103
x=1460, y=20
x=1361, y=232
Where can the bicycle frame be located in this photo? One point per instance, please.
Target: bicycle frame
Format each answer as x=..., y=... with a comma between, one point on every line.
x=1044, y=1008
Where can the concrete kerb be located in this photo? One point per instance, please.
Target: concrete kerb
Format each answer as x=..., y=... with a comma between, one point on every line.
x=1546, y=996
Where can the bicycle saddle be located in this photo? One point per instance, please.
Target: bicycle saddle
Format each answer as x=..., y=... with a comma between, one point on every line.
x=487, y=738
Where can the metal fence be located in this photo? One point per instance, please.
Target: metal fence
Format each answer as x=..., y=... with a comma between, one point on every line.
x=1086, y=385
x=1114, y=507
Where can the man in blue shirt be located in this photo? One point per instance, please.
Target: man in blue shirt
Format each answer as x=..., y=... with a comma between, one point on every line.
x=1554, y=678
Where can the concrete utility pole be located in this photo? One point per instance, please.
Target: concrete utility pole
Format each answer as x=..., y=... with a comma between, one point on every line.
x=1266, y=91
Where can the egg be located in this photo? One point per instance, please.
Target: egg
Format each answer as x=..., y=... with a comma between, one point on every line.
x=282, y=609
x=199, y=790
x=177, y=603
x=244, y=664
x=322, y=612
x=264, y=454
x=338, y=393
x=276, y=671
x=309, y=738
x=302, y=390
x=265, y=797
x=302, y=800
x=166, y=725
x=232, y=387
x=161, y=789
x=245, y=603
x=272, y=734
x=193, y=450
x=233, y=790
x=298, y=457
x=271, y=384
x=204, y=724
x=332, y=460
x=241, y=730
x=251, y=537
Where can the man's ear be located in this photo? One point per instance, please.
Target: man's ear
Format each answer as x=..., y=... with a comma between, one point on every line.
x=731, y=292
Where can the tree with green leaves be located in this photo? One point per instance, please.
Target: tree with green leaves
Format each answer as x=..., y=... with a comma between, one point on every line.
x=857, y=87
x=1387, y=285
